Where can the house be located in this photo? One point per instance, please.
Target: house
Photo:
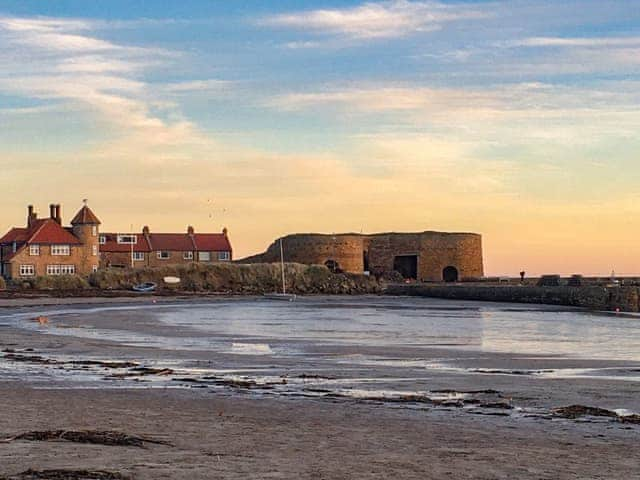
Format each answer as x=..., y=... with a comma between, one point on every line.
x=148, y=249
x=45, y=247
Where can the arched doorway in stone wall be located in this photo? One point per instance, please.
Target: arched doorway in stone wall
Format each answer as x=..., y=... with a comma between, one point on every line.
x=450, y=274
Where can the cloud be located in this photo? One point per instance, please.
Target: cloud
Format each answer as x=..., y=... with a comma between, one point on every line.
x=209, y=85
x=394, y=18
x=578, y=42
x=301, y=45
x=63, y=61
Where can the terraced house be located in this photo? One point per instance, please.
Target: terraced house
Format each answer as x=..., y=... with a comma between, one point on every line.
x=147, y=249
x=45, y=247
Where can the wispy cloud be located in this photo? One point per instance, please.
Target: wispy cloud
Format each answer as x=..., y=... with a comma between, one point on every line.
x=65, y=61
x=209, y=85
x=394, y=18
x=578, y=42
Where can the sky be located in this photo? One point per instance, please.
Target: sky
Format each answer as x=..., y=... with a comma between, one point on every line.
x=515, y=119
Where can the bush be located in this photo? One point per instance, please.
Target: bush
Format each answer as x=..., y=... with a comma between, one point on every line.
x=254, y=278
x=62, y=282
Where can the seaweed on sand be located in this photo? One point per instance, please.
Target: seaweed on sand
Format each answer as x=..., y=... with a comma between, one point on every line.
x=86, y=436
x=577, y=411
x=64, y=474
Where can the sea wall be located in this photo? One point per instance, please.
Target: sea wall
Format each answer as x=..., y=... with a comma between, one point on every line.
x=594, y=297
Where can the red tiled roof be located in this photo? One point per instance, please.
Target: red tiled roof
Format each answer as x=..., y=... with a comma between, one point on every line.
x=212, y=242
x=52, y=233
x=176, y=242
x=42, y=231
x=111, y=244
x=85, y=216
x=17, y=234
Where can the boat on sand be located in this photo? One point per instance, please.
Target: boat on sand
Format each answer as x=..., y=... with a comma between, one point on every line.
x=145, y=287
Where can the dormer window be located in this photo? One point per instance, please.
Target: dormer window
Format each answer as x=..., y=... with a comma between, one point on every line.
x=34, y=250
x=127, y=239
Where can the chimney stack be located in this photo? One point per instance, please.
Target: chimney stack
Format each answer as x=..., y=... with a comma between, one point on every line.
x=145, y=230
x=31, y=216
x=58, y=214
x=225, y=231
x=190, y=230
x=52, y=211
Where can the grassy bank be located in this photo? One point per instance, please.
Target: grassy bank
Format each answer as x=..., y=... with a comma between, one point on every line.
x=238, y=279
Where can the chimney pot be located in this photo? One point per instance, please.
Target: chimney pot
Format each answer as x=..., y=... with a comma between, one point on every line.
x=145, y=230
x=58, y=214
x=190, y=230
x=225, y=231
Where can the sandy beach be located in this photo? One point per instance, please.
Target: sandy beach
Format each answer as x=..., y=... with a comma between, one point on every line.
x=213, y=429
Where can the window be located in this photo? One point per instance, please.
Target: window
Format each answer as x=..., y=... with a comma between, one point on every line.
x=102, y=239
x=94, y=268
x=128, y=239
x=163, y=255
x=138, y=256
x=34, y=249
x=95, y=250
x=60, y=250
x=204, y=256
x=224, y=256
x=61, y=269
x=187, y=255
x=94, y=230
x=27, y=270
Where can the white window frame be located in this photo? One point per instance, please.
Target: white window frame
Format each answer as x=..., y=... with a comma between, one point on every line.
x=94, y=250
x=55, y=270
x=127, y=239
x=27, y=270
x=164, y=255
x=102, y=239
x=94, y=230
x=138, y=256
x=187, y=255
x=60, y=250
x=34, y=250
x=204, y=256
x=67, y=269
x=224, y=256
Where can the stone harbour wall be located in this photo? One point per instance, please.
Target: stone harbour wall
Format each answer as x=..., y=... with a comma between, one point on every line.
x=605, y=298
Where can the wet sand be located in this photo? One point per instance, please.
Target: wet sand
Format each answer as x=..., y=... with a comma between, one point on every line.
x=239, y=438
x=230, y=433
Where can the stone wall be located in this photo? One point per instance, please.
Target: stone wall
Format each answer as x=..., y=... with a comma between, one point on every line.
x=433, y=251
x=123, y=259
x=625, y=299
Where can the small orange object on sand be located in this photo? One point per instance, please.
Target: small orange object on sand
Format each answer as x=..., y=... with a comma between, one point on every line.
x=42, y=320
